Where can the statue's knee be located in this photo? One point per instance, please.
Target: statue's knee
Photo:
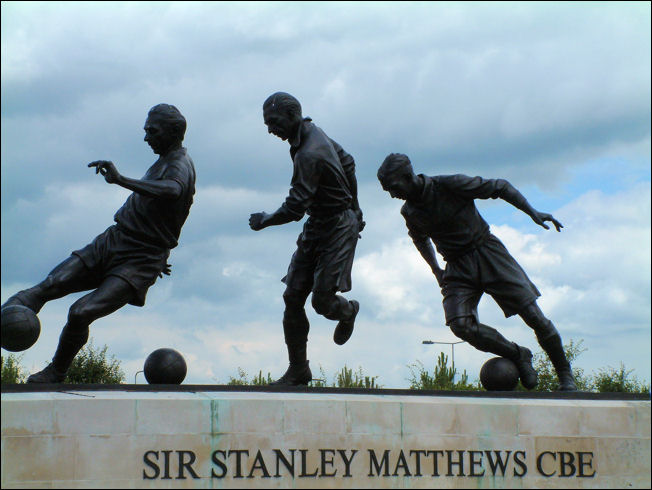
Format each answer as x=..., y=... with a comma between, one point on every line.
x=79, y=316
x=462, y=328
x=531, y=313
x=294, y=299
x=322, y=302
x=534, y=317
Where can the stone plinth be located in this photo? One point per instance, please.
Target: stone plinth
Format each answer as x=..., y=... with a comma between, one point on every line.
x=218, y=437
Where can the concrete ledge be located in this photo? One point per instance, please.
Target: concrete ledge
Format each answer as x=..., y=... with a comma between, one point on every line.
x=142, y=436
x=563, y=395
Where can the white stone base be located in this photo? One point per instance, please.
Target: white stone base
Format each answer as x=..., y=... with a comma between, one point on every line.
x=213, y=439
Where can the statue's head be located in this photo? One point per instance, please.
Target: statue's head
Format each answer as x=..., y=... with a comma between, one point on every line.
x=282, y=114
x=165, y=128
x=396, y=175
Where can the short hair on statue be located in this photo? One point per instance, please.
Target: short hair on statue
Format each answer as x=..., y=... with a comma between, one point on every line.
x=170, y=117
x=282, y=101
x=393, y=163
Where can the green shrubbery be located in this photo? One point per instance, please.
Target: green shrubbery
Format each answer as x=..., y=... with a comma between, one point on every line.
x=12, y=371
x=92, y=366
x=345, y=378
x=89, y=366
x=606, y=380
x=442, y=378
x=243, y=380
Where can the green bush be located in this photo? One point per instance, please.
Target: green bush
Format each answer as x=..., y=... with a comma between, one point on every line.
x=12, y=370
x=443, y=377
x=548, y=380
x=242, y=379
x=611, y=380
x=606, y=380
x=91, y=366
x=347, y=378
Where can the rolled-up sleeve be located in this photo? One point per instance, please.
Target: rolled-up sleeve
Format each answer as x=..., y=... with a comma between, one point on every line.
x=479, y=188
x=179, y=173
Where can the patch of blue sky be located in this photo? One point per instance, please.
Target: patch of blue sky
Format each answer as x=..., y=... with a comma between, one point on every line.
x=608, y=175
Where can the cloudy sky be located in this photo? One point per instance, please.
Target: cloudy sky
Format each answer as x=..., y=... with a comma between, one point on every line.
x=554, y=97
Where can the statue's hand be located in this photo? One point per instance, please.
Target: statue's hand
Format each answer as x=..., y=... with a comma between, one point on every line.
x=256, y=221
x=361, y=222
x=166, y=270
x=107, y=169
x=541, y=218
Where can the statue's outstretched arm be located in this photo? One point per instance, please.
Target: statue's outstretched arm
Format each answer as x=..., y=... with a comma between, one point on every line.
x=479, y=188
x=163, y=189
x=510, y=194
x=258, y=221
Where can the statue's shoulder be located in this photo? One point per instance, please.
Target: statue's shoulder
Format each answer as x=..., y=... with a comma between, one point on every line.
x=315, y=145
x=314, y=135
x=454, y=179
x=183, y=155
x=180, y=158
x=179, y=164
x=407, y=209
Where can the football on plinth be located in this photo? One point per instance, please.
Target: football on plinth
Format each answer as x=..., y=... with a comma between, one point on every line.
x=499, y=374
x=20, y=328
x=165, y=366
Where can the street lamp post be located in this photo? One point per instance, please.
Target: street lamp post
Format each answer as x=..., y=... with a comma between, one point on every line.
x=452, y=344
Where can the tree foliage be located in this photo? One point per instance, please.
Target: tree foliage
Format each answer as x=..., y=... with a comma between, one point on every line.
x=548, y=377
x=442, y=378
x=612, y=380
x=345, y=378
x=92, y=366
x=243, y=380
x=447, y=378
x=607, y=380
x=12, y=370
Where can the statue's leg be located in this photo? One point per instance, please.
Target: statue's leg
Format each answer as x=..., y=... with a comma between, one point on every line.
x=295, y=329
x=112, y=294
x=488, y=339
x=333, y=273
x=70, y=276
x=295, y=323
x=461, y=299
x=550, y=341
x=336, y=307
x=332, y=306
x=484, y=337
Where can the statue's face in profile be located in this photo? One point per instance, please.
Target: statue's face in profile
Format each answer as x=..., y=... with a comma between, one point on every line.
x=398, y=184
x=279, y=123
x=157, y=136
